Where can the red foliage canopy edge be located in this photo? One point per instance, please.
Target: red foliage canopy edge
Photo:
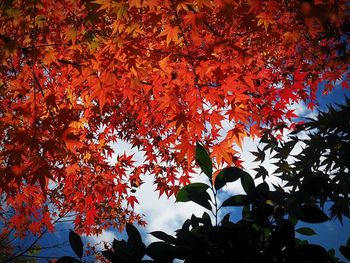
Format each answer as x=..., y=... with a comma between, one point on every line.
x=77, y=76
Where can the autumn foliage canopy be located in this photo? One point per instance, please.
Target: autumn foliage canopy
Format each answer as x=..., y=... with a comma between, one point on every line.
x=79, y=76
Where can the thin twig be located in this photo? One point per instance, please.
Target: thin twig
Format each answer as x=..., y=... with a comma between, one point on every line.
x=42, y=93
x=33, y=70
x=164, y=52
x=37, y=83
x=69, y=62
x=33, y=243
x=215, y=32
x=196, y=80
x=215, y=203
x=52, y=45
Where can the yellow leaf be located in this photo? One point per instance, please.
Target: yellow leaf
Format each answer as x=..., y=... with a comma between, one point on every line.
x=183, y=5
x=265, y=19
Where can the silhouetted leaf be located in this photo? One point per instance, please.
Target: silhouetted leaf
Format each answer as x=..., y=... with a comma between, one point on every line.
x=161, y=251
x=195, y=221
x=125, y=251
x=204, y=161
x=121, y=245
x=237, y=200
x=262, y=190
x=247, y=183
x=311, y=214
x=306, y=231
x=134, y=235
x=195, y=192
x=206, y=219
x=111, y=256
x=261, y=172
x=135, y=243
x=163, y=236
x=260, y=155
x=246, y=212
x=76, y=243
x=345, y=252
x=331, y=252
x=311, y=253
x=226, y=175
x=226, y=218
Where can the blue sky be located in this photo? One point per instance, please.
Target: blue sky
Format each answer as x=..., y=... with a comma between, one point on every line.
x=165, y=215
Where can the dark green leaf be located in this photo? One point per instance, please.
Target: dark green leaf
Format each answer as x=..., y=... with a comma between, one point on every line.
x=306, y=231
x=311, y=253
x=76, y=243
x=262, y=190
x=247, y=183
x=121, y=245
x=163, y=236
x=194, y=188
x=134, y=235
x=261, y=172
x=67, y=260
x=311, y=214
x=161, y=251
x=237, y=200
x=331, y=252
x=111, y=256
x=186, y=225
x=226, y=218
x=204, y=161
x=196, y=192
x=293, y=220
x=260, y=156
x=226, y=175
x=246, y=212
x=345, y=251
x=206, y=219
x=135, y=243
x=195, y=221
x=202, y=200
x=123, y=250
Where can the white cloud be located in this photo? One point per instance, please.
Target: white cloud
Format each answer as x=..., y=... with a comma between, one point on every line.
x=163, y=214
x=107, y=236
x=302, y=110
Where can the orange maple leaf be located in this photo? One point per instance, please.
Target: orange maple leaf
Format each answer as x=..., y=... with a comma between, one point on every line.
x=265, y=19
x=171, y=33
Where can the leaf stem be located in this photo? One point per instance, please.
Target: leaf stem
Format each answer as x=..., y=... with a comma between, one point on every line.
x=215, y=203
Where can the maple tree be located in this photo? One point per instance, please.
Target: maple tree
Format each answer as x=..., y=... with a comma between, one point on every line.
x=77, y=76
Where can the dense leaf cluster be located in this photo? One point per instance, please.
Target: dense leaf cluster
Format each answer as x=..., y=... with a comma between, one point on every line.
x=319, y=172
x=267, y=230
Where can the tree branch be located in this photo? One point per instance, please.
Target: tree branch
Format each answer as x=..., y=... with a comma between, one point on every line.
x=32, y=244
x=185, y=42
